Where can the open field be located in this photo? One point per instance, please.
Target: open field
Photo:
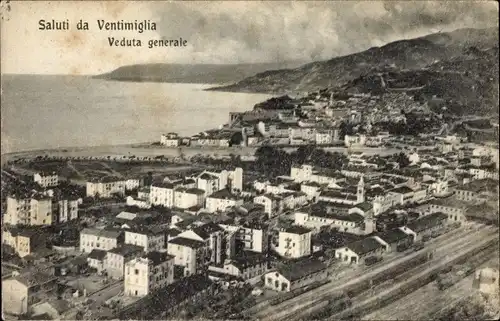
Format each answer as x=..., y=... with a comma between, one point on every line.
x=81, y=170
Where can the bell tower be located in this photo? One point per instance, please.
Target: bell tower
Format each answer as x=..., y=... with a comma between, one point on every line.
x=361, y=191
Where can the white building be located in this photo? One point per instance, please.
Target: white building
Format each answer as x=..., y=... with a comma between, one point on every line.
x=101, y=239
x=272, y=204
x=294, y=242
x=132, y=183
x=66, y=210
x=170, y=140
x=354, y=140
x=30, y=210
x=106, y=187
x=213, y=181
x=149, y=238
x=46, y=180
x=188, y=253
x=188, y=197
x=162, y=194
x=148, y=273
x=221, y=200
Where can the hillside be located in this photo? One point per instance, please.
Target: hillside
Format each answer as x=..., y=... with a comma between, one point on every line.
x=460, y=66
x=179, y=73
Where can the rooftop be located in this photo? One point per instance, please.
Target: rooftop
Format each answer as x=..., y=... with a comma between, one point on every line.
x=97, y=254
x=157, y=258
x=186, y=242
x=107, y=233
x=427, y=222
x=365, y=245
x=127, y=249
x=297, y=230
x=300, y=269
x=392, y=236
x=35, y=278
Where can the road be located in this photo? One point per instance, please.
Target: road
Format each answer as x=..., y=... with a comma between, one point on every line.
x=294, y=305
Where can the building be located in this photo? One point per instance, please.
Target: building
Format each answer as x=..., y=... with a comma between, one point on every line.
x=101, y=239
x=149, y=238
x=357, y=252
x=354, y=140
x=46, y=180
x=148, y=273
x=221, y=200
x=23, y=241
x=114, y=263
x=393, y=239
x=65, y=210
x=106, y=187
x=188, y=197
x=348, y=223
x=425, y=226
x=191, y=255
x=162, y=194
x=486, y=281
x=213, y=181
x=273, y=204
x=20, y=293
x=212, y=236
x=294, y=242
x=96, y=259
x=295, y=275
x=477, y=190
x=35, y=210
x=170, y=140
x=246, y=266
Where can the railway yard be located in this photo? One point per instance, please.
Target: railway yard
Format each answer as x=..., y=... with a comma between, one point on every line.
x=365, y=291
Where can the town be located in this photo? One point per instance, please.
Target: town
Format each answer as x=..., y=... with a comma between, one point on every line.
x=351, y=203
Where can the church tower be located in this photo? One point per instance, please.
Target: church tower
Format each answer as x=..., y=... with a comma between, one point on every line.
x=361, y=191
x=370, y=224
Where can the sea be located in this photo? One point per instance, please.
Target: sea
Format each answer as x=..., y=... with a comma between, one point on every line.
x=52, y=111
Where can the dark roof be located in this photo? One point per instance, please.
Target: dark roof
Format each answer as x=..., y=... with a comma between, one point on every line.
x=158, y=257
x=172, y=232
x=427, y=222
x=297, y=230
x=365, y=206
x=186, y=242
x=207, y=176
x=205, y=230
x=127, y=250
x=248, y=259
x=364, y=246
x=35, y=278
x=163, y=185
x=480, y=185
x=300, y=269
x=402, y=190
x=196, y=191
x=97, y=254
x=353, y=217
x=392, y=236
x=223, y=194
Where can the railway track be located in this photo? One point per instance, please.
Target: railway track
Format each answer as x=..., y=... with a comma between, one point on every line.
x=257, y=310
x=416, y=280
x=365, y=293
x=305, y=303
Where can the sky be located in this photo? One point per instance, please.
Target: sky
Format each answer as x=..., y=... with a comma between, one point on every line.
x=220, y=32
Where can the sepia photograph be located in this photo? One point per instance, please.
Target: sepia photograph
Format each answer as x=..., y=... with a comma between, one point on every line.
x=250, y=160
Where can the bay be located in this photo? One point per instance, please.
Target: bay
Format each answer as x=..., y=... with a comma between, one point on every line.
x=52, y=111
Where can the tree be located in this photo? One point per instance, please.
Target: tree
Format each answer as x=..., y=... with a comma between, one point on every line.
x=403, y=160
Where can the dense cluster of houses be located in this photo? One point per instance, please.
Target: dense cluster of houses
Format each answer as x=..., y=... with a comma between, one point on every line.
x=208, y=225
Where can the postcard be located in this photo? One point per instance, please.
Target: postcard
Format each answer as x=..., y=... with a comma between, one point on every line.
x=250, y=160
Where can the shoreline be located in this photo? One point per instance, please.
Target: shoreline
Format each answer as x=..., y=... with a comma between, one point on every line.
x=139, y=150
